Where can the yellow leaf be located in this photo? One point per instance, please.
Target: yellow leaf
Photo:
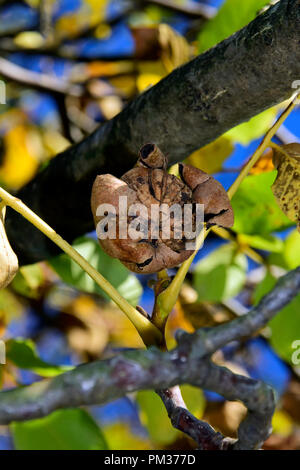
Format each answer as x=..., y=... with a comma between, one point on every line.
x=120, y=437
x=29, y=40
x=282, y=423
x=146, y=80
x=21, y=157
x=211, y=157
x=89, y=15
x=286, y=187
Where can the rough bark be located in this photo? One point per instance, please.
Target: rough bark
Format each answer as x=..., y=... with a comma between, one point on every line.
x=252, y=70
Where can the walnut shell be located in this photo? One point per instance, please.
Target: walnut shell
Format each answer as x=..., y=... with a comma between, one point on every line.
x=150, y=184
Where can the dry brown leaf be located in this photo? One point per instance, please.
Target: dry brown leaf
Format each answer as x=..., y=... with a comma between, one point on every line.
x=8, y=259
x=286, y=187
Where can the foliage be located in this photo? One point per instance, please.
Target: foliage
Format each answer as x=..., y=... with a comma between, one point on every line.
x=53, y=316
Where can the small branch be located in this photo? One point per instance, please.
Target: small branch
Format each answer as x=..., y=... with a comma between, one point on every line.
x=189, y=363
x=36, y=80
x=200, y=431
x=258, y=397
x=148, y=332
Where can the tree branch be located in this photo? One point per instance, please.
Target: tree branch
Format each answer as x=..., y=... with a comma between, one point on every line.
x=240, y=77
x=37, y=80
x=200, y=431
x=190, y=363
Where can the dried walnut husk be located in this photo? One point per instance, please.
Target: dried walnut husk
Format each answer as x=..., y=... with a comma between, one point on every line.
x=149, y=183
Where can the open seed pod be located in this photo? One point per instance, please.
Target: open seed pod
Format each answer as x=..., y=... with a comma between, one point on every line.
x=8, y=259
x=152, y=188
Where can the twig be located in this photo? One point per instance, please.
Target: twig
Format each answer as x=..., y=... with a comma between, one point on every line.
x=200, y=431
x=36, y=80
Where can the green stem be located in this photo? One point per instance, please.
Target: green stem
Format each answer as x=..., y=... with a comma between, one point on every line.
x=148, y=332
x=265, y=143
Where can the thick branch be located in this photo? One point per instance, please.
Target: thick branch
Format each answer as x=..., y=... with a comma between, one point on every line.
x=245, y=74
x=100, y=382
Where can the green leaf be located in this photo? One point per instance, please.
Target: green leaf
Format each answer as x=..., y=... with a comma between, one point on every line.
x=255, y=209
x=154, y=415
x=285, y=326
x=155, y=418
x=289, y=257
x=291, y=251
x=220, y=275
x=263, y=242
x=23, y=354
x=113, y=270
x=232, y=16
x=62, y=430
x=253, y=129
x=28, y=280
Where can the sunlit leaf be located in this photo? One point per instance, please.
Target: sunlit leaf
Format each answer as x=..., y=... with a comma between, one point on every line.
x=221, y=274
x=232, y=16
x=255, y=208
x=253, y=129
x=23, y=354
x=291, y=251
x=289, y=256
x=21, y=157
x=29, y=40
x=211, y=157
x=62, y=430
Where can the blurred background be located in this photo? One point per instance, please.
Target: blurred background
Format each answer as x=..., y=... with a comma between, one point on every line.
x=68, y=66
